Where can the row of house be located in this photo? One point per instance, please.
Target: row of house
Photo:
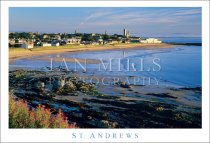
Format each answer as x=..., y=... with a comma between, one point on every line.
x=45, y=40
x=77, y=40
x=31, y=43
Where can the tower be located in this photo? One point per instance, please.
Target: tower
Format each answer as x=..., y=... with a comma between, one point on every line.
x=126, y=33
x=76, y=31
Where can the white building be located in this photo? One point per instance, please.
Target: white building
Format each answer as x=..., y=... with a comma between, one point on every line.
x=20, y=41
x=55, y=44
x=12, y=41
x=44, y=36
x=27, y=45
x=151, y=40
x=56, y=37
x=73, y=40
x=100, y=41
x=46, y=44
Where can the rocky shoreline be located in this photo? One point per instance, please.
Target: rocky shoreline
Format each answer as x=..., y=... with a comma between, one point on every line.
x=91, y=106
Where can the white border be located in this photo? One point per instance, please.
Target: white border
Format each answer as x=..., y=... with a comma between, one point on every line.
x=145, y=135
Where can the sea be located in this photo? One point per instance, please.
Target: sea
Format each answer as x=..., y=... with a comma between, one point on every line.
x=180, y=66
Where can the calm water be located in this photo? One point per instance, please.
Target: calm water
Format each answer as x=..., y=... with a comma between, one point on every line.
x=182, y=39
x=180, y=66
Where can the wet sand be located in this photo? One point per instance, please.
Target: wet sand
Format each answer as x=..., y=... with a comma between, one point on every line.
x=73, y=60
x=19, y=53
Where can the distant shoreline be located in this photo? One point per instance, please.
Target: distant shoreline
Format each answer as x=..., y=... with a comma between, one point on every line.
x=18, y=53
x=186, y=44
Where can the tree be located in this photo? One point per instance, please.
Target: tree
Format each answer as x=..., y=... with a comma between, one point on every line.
x=106, y=37
x=87, y=37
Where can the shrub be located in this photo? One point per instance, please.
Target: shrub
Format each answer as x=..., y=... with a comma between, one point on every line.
x=20, y=116
x=159, y=109
x=20, y=74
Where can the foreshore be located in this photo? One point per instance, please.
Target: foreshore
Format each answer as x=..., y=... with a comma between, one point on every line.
x=119, y=105
x=18, y=53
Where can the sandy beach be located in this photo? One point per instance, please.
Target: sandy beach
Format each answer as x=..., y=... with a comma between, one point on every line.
x=18, y=53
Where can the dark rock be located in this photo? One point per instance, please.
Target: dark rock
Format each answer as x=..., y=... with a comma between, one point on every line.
x=162, y=95
x=89, y=117
x=40, y=86
x=193, y=89
x=58, y=83
x=69, y=87
x=125, y=85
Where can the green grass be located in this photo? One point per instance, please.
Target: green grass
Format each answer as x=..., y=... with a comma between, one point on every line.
x=40, y=48
x=54, y=47
x=68, y=46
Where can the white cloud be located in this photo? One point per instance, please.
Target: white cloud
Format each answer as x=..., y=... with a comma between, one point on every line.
x=187, y=12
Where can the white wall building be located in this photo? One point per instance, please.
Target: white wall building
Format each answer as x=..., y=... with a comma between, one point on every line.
x=151, y=40
x=46, y=44
x=55, y=44
x=57, y=37
x=73, y=40
x=11, y=41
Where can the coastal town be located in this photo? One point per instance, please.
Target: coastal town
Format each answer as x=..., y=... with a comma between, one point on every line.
x=86, y=68
x=30, y=40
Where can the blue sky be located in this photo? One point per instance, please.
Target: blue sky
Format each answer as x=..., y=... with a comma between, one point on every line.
x=148, y=21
